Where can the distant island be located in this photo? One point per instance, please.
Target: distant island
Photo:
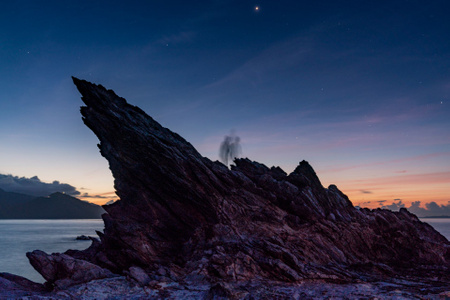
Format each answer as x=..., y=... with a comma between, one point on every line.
x=55, y=206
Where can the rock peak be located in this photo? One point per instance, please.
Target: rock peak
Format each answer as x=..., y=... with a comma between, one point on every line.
x=181, y=214
x=304, y=169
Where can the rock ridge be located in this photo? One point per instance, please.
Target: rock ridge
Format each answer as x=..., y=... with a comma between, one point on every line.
x=184, y=218
x=188, y=211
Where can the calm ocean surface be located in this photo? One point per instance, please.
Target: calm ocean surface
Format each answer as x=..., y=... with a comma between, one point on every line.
x=18, y=237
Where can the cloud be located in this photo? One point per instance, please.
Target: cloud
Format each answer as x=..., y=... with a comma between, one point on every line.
x=281, y=56
x=109, y=202
x=413, y=159
x=100, y=199
x=413, y=179
x=366, y=192
x=34, y=186
x=394, y=206
x=86, y=195
x=431, y=209
x=181, y=37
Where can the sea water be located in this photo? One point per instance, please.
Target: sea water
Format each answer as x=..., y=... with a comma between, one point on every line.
x=440, y=224
x=18, y=237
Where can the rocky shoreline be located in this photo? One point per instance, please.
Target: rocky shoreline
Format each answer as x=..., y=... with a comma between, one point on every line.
x=122, y=287
x=187, y=227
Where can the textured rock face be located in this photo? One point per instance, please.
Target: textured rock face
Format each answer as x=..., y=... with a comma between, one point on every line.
x=183, y=217
x=13, y=287
x=62, y=270
x=122, y=288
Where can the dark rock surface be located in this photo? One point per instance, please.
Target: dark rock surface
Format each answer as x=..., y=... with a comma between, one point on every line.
x=182, y=212
x=139, y=276
x=13, y=287
x=83, y=238
x=184, y=219
x=121, y=288
x=62, y=270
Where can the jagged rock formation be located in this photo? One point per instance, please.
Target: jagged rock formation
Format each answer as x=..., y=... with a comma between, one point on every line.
x=182, y=217
x=62, y=270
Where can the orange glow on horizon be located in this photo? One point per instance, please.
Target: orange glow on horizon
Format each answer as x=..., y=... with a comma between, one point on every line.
x=99, y=199
x=375, y=192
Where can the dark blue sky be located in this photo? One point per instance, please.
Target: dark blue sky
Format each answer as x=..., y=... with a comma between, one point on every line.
x=361, y=89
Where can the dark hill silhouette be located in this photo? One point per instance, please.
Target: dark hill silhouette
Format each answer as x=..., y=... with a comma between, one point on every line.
x=12, y=198
x=55, y=206
x=10, y=201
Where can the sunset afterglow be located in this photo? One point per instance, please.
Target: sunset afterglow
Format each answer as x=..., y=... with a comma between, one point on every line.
x=361, y=91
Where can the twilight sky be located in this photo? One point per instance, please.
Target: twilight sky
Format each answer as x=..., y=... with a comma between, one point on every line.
x=360, y=89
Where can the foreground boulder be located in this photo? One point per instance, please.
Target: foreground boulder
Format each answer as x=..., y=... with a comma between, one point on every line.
x=14, y=287
x=62, y=271
x=184, y=218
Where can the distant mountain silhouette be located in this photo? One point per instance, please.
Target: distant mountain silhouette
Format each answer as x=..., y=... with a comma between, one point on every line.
x=55, y=206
